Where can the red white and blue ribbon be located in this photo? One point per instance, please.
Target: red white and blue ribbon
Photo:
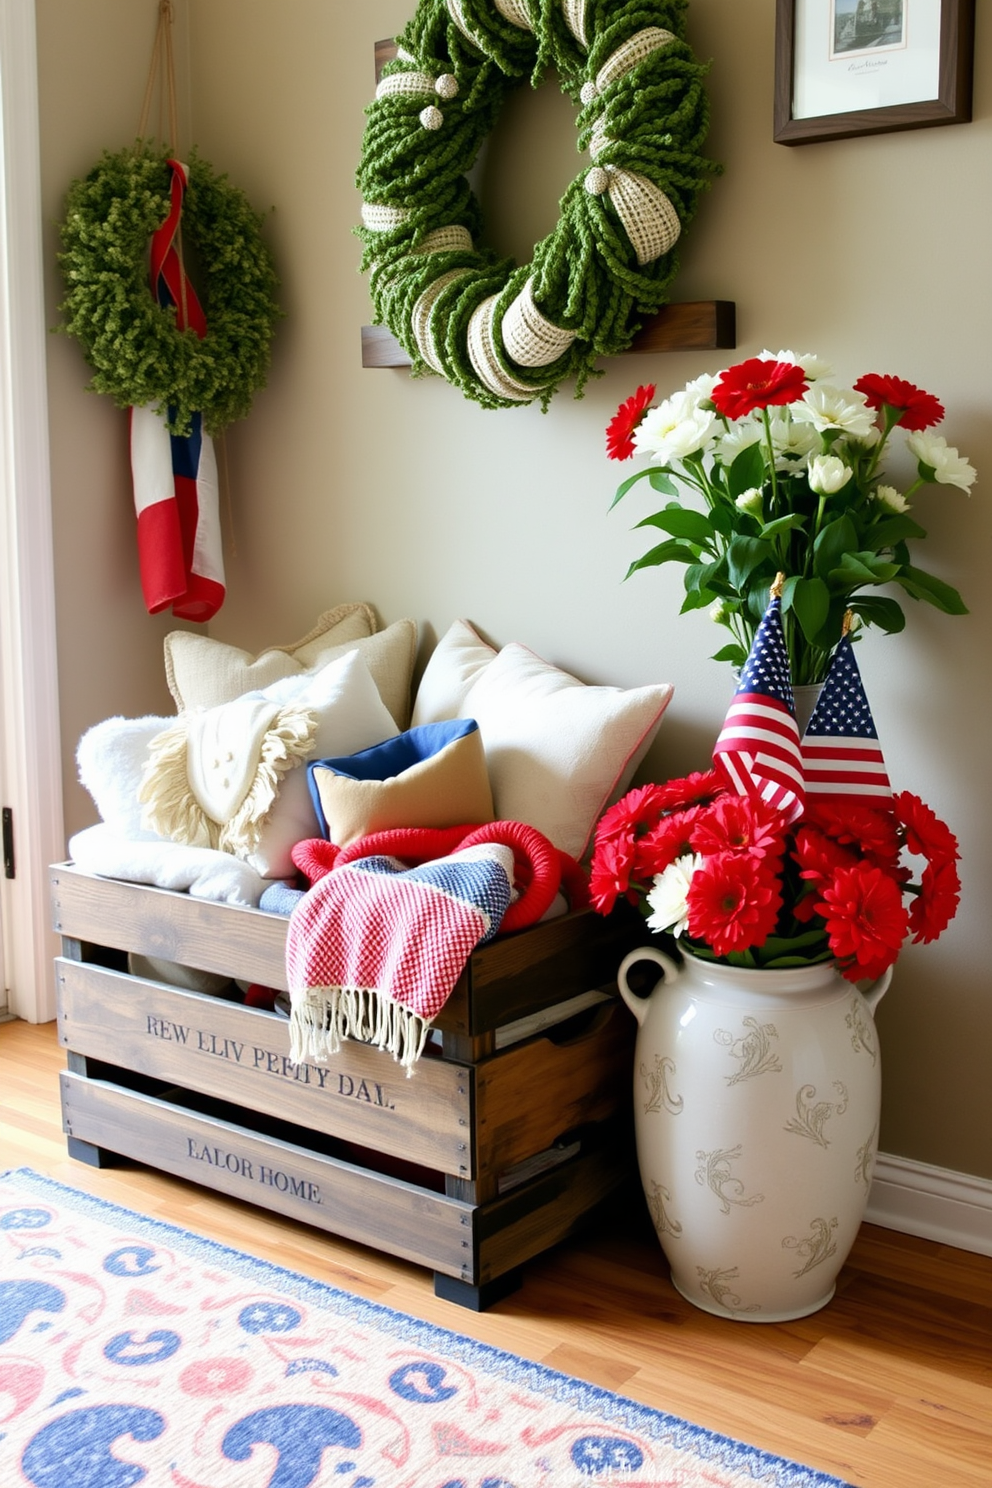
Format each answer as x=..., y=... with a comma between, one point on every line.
x=176, y=495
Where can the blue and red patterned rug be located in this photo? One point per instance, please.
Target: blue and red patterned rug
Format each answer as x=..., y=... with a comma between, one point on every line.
x=132, y=1352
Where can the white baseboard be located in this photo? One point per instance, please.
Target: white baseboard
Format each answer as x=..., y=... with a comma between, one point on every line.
x=934, y=1203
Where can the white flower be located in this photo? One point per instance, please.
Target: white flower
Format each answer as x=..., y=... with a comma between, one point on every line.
x=792, y=442
x=700, y=389
x=827, y=474
x=811, y=364
x=669, y=895
x=738, y=437
x=828, y=407
x=866, y=441
x=890, y=498
x=676, y=428
x=718, y=611
x=752, y=501
x=949, y=468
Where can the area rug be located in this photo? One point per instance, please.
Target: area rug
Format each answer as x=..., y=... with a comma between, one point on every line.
x=135, y=1352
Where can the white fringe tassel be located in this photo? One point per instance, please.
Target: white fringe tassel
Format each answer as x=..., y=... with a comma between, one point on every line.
x=323, y=1016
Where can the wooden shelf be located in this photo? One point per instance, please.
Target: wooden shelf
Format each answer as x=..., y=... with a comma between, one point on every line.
x=697, y=325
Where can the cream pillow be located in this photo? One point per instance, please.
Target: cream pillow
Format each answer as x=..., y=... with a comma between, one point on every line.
x=456, y=662
x=234, y=776
x=557, y=750
x=203, y=673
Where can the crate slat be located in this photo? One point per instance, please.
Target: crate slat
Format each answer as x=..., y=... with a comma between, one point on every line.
x=175, y=927
x=399, y=1218
x=532, y=1094
x=241, y=1054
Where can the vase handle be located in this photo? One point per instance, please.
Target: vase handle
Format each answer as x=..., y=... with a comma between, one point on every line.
x=874, y=994
x=639, y=1005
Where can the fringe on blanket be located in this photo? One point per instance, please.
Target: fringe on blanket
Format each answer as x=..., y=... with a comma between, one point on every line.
x=324, y=1016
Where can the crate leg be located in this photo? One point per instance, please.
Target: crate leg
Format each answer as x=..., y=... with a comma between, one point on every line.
x=94, y=1157
x=477, y=1298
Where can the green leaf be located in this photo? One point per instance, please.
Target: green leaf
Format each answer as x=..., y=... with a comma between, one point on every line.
x=661, y=480
x=781, y=945
x=723, y=518
x=861, y=568
x=735, y=654
x=697, y=599
x=670, y=552
x=744, y=555
x=781, y=961
x=783, y=524
x=748, y=470
x=924, y=586
x=891, y=530
x=625, y=486
x=809, y=601
x=709, y=576
x=681, y=523
x=887, y=614
x=836, y=539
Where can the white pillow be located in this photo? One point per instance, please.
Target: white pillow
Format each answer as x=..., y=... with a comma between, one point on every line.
x=203, y=673
x=349, y=715
x=457, y=661
x=557, y=750
x=111, y=757
x=198, y=871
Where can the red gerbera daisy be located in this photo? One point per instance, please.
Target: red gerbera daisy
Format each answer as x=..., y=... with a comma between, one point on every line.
x=742, y=824
x=872, y=832
x=818, y=855
x=919, y=410
x=633, y=814
x=733, y=903
x=757, y=384
x=936, y=906
x=866, y=920
x=609, y=874
x=669, y=840
x=620, y=429
x=692, y=790
x=926, y=834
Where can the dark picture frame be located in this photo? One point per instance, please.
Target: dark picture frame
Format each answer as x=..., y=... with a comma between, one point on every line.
x=845, y=50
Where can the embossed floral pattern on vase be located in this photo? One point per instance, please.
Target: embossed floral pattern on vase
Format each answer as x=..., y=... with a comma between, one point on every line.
x=756, y=1096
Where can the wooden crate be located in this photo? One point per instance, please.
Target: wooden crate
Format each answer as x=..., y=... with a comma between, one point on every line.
x=513, y=1127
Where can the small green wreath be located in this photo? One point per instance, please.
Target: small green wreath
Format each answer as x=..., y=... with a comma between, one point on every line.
x=505, y=334
x=137, y=353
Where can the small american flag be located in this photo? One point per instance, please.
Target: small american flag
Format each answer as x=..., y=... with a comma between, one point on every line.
x=840, y=749
x=758, y=748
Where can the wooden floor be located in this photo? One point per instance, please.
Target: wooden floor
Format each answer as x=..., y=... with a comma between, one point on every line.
x=890, y=1386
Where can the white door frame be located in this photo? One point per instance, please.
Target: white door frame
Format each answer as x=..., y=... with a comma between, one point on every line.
x=30, y=744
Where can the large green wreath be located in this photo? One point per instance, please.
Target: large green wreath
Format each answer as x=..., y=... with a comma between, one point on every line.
x=506, y=334
x=137, y=353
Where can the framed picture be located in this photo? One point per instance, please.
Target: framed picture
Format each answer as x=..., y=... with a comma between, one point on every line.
x=849, y=67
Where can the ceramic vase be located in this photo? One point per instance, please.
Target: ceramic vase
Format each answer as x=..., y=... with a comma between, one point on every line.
x=756, y=1107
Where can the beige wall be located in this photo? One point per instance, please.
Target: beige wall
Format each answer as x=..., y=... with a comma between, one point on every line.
x=351, y=484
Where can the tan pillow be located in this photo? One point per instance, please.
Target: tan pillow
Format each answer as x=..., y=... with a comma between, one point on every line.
x=428, y=777
x=203, y=673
